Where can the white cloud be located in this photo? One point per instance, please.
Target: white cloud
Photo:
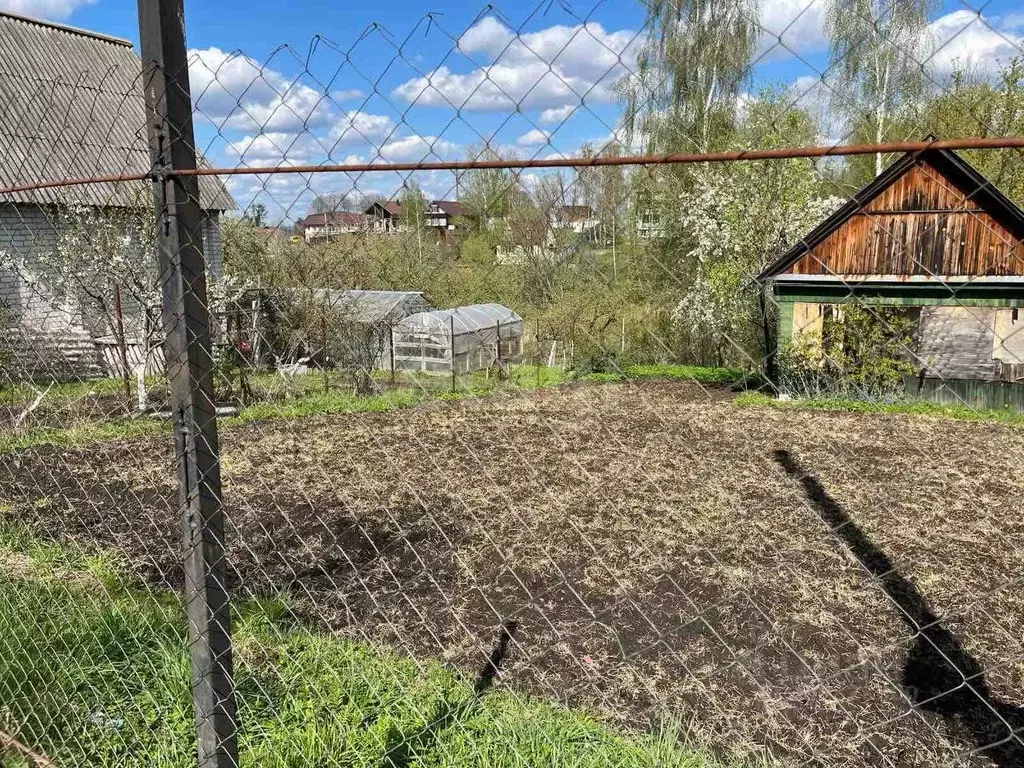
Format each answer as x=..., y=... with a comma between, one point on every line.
x=360, y=126
x=413, y=149
x=791, y=27
x=963, y=39
x=44, y=9
x=488, y=36
x=1012, y=21
x=235, y=91
x=533, y=138
x=284, y=147
x=557, y=115
x=347, y=95
x=549, y=69
x=287, y=196
x=274, y=147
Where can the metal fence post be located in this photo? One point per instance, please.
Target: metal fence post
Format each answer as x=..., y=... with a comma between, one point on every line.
x=451, y=325
x=189, y=363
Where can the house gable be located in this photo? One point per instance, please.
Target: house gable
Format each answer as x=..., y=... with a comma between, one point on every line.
x=929, y=216
x=73, y=108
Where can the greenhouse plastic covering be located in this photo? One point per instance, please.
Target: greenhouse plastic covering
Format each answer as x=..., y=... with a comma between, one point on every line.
x=368, y=307
x=471, y=319
x=473, y=326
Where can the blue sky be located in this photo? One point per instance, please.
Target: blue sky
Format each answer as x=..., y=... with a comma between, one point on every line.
x=320, y=81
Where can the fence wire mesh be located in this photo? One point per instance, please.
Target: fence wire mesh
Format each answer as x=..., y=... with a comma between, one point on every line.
x=515, y=431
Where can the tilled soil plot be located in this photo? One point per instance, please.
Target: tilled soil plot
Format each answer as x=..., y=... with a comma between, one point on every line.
x=834, y=589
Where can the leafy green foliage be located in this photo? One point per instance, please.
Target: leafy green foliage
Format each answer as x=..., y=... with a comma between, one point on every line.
x=915, y=408
x=691, y=70
x=860, y=352
x=970, y=106
x=730, y=223
x=873, y=44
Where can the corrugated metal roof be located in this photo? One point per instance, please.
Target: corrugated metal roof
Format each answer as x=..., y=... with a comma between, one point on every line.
x=71, y=106
x=362, y=306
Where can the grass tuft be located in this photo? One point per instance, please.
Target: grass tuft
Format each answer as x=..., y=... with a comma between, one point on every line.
x=916, y=408
x=310, y=402
x=111, y=667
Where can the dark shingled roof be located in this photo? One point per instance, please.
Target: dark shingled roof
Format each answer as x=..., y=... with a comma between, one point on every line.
x=336, y=217
x=71, y=106
x=450, y=207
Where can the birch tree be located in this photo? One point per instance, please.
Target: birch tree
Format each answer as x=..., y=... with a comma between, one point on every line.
x=875, y=47
x=690, y=71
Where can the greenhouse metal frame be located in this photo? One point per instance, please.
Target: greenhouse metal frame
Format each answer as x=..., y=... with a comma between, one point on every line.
x=459, y=340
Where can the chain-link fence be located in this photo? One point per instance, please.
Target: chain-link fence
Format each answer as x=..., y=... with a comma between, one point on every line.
x=359, y=411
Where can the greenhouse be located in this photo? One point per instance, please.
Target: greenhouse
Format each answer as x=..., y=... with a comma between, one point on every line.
x=459, y=340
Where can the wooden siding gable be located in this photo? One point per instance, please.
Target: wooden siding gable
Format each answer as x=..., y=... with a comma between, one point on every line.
x=929, y=215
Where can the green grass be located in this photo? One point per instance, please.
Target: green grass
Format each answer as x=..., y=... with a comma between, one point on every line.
x=85, y=433
x=917, y=408
x=61, y=392
x=95, y=673
x=311, y=400
x=693, y=373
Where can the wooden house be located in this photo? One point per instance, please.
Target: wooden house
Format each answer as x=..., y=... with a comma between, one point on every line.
x=323, y=227
x=933, y=235
x=442, y=215
x=385, y=216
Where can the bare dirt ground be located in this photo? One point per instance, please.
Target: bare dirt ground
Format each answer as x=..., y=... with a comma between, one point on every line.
x=832, y=589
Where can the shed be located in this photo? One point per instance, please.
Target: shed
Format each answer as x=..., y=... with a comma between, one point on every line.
x=931, y=234
x=459, y=340
x=73, y=107
x=362, y=323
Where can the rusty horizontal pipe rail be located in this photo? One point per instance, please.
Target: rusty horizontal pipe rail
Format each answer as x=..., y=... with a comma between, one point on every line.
x=672, y=158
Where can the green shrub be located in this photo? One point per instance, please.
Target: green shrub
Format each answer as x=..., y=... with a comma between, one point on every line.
x=859, y=353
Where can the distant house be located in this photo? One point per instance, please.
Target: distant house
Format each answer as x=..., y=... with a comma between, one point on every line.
x=385, y=216
x=649, y=226
x=321, y=227
x=442, y=214
x=931, y=235
x=579, y=219
x=72, y=108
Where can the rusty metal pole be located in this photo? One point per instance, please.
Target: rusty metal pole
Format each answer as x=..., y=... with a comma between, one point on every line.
x=186, y=319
